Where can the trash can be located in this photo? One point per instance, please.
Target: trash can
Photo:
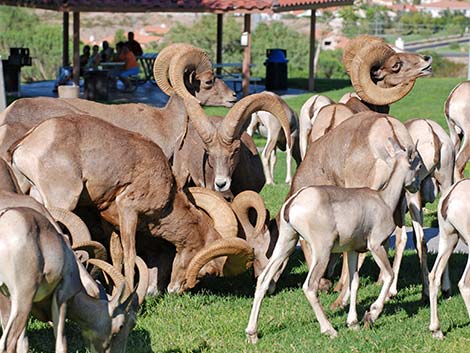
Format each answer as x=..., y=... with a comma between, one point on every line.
x=11, y=76
x=276, y=69
x=96, y=85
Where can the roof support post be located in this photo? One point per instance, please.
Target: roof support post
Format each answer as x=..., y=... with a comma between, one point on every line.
x=65, y=39
x=311, y=60
x=220, y=33
x=76, y=47
x=246, y=74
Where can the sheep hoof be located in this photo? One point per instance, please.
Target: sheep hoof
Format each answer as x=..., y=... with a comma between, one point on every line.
x=331, y=332
x=353, y=326
x=446, y=293
x=337, y=304
x=368, y=321
x=438, y=335
x=252, y=337
x=325, y=285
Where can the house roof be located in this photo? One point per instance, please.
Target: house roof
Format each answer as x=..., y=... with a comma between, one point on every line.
x=452, y=5
x=214, y=6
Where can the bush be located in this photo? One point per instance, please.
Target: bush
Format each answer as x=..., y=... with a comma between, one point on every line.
x=442, y=67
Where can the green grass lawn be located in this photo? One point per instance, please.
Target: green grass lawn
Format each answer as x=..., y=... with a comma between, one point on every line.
x=213, y=316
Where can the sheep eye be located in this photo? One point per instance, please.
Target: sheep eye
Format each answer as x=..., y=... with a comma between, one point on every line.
x=397, y=66
x=209, y=83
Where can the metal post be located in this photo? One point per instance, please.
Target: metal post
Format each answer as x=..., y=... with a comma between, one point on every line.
x=311, y=62
x=246, y=74
x=65, y=40
x=76, y=47
x=3, y=100
x=220, y=31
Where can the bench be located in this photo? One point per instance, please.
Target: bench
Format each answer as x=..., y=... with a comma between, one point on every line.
x=236, y=81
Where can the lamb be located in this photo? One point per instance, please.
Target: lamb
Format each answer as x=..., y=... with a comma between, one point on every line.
x=129, y=181
x=269, y=127
x=366, y=221
x=453, y=211
x=457, y=108
x=50, y=282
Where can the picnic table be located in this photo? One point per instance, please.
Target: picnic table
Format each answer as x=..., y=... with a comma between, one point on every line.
x=146, y=61
x=232, y=73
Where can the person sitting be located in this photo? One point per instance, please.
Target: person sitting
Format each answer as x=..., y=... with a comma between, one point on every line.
x=131, y=67
x=133, y=45
x=107, y=53
x=84, y=58
x=94, y=59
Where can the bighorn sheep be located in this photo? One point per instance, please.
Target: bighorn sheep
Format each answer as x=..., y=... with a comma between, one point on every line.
x=49, y=283
x=335, y=219
x=457, y=111
x=329, y=117
x=129, y=181
x=221, y=139
x=269, y=127
x=453, y=212
x=308, y=113
x=379, y=75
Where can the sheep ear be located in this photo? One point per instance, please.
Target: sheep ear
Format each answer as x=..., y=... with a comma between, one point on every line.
x=378, y=74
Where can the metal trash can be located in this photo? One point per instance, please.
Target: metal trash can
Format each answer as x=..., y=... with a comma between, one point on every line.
x=276, y=69
x=96, y=85
x=11, y=75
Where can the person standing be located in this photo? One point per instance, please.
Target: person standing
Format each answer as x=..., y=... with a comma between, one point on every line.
x=133, y=45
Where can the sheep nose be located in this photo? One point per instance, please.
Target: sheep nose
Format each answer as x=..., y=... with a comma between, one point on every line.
x=222, y=184
x=427, y=58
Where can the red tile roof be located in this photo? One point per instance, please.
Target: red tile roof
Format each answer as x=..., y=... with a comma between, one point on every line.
x=216, y=6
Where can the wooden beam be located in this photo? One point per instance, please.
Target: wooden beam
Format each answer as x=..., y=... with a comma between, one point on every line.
x=311, y=60
x=246, y=74
x=65, y=39
x=76, y=47
x=220, y=32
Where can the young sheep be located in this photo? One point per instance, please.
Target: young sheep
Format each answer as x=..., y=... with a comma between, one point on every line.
x=333, y=219
x=453, y=216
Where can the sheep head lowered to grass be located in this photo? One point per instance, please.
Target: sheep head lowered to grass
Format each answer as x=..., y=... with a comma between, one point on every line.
x=380, y=75
x=221, y=137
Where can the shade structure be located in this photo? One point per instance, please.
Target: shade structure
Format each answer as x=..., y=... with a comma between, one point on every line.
x=208, y=6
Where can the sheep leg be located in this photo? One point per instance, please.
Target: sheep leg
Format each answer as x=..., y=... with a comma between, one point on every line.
x=401, y=237
x=304, y=131
x=288, y=164
x=128, y=224
x=58, y=318
x=20, y=309
x=272, y=162
x=284, y=247
x=454, y=136
x=416, y=212
x=344, y=273
x=380, y=256
x=462, y=158
x=447, y=242
x=270, y=146
x=464, y=285
x=343, y=297
x=353, y=286
x=320, y=257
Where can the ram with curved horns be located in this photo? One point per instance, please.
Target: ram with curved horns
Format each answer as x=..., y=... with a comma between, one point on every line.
x=129, y=181
x=379, y=74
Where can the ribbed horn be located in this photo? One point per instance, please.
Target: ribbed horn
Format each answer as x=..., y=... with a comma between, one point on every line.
x=143, y=285
x=116, y=252
x=162, y=65
x=241, y=205
x=117, y=278
x=194, y=59
x=77, y=228
x=240, y=258
x=354, y=46
x=218, y=209
x=232, y=126
x=93, y=248
x=368, y=57
x=199, y=119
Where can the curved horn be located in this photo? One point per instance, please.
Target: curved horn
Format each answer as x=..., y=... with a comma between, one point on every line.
x=93, y=248
x=232, y=125
x=240, y=257
x=199, y=119
x=194, y=59
x=241, y=205
x=368, y=57
x=354, y=46
x=162, y=64
x=218, y=209
x=142, y=287
x=77, y=228
x=117, y=278
x=116, y=252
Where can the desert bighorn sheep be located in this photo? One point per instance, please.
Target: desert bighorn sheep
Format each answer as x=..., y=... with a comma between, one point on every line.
x=335, y=219
x=50, y=284
x=453, y=213
x=308, y=113
x=379, y=75
x=269, y=127
x=328, y=117
x=457, y=111
x=129, y=181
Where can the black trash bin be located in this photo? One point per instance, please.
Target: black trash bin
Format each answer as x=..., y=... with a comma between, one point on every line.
x=11, y=76
x=276, y=69
x=96, y=85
